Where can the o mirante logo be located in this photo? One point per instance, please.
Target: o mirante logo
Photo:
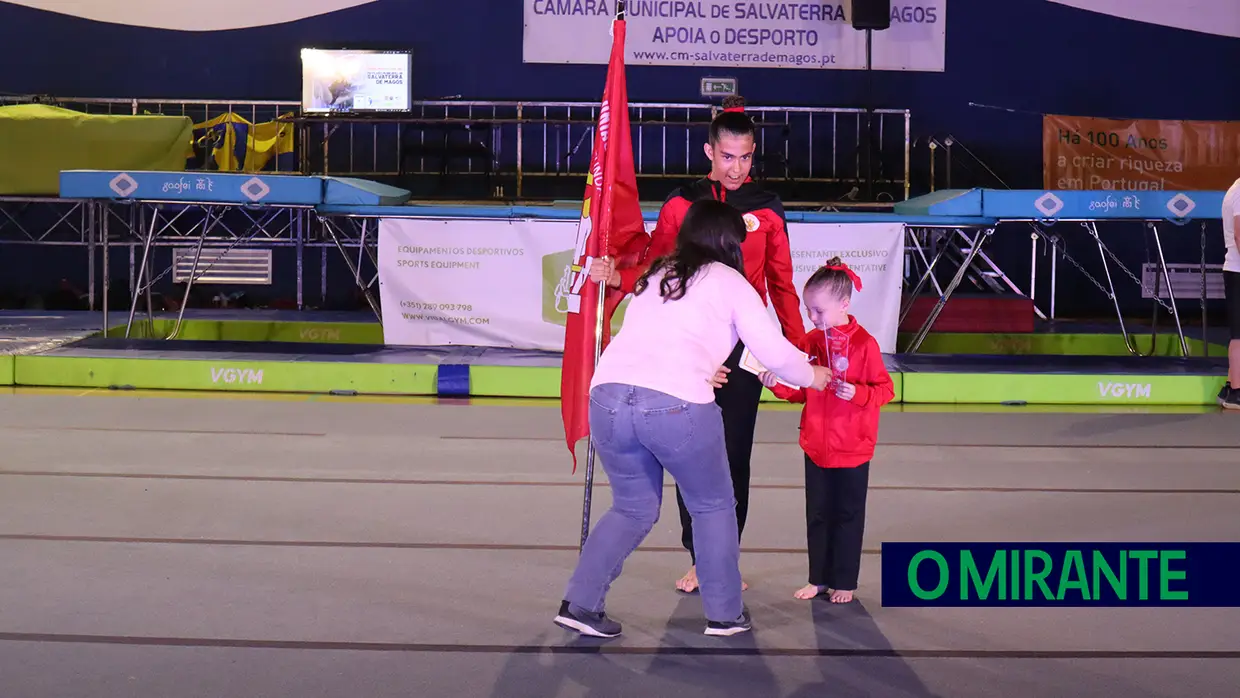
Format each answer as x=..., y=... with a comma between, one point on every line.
x=1060, y=574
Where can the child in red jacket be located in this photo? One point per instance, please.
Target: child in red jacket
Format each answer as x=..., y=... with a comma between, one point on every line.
x=839, y=428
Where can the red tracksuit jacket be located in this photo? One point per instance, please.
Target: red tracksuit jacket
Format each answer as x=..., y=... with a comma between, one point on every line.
x=766, y=253
x=838, y=433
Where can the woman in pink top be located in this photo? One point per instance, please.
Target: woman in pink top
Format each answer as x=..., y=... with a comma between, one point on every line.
x=652, y=408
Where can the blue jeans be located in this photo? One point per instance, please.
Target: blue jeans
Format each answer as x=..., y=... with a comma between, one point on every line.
x=638, y=433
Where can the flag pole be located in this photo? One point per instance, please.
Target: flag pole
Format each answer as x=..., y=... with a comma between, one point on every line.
x=590, y=454
x=598, y=351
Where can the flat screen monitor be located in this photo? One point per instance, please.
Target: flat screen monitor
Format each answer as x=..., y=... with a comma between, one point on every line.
x=355, y=81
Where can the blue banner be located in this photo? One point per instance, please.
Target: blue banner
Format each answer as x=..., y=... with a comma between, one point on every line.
x=193, y=187
x=1101, y=205
x=1061, y=574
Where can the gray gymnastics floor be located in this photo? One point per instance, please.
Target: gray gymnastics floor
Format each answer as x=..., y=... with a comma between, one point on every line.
x=241, y=547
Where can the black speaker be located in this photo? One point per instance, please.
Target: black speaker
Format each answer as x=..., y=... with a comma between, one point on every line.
x=871, y=14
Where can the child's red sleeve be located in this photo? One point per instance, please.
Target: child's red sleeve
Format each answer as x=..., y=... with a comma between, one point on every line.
x=783, y=392
x=875, y=388
x=813, y=344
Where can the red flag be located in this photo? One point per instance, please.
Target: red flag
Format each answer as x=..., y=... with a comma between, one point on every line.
x=611, y=224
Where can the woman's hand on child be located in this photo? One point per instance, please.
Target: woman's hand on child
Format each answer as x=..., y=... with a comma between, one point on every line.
x=720, y=377
x=846, y=391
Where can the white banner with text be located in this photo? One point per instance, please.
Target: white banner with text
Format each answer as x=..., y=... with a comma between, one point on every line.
x=875, y=251
x=737, y=34
x=503, y=283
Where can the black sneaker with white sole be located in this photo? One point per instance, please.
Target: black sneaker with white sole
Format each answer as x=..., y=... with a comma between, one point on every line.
x=1229, y=398
x=727, y=628
x=586, y=622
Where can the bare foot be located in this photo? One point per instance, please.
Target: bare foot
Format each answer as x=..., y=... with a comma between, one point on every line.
x=809, y=591
x=744, y=586
x=689, y=582
x=841, y=596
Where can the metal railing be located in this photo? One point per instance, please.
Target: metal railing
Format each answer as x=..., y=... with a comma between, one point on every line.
x=199, y=110
x=532, y=147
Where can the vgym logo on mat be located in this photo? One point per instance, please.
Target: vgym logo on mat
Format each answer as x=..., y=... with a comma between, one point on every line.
x=1060, y=574
x=231, y=376
x=1136, y=391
